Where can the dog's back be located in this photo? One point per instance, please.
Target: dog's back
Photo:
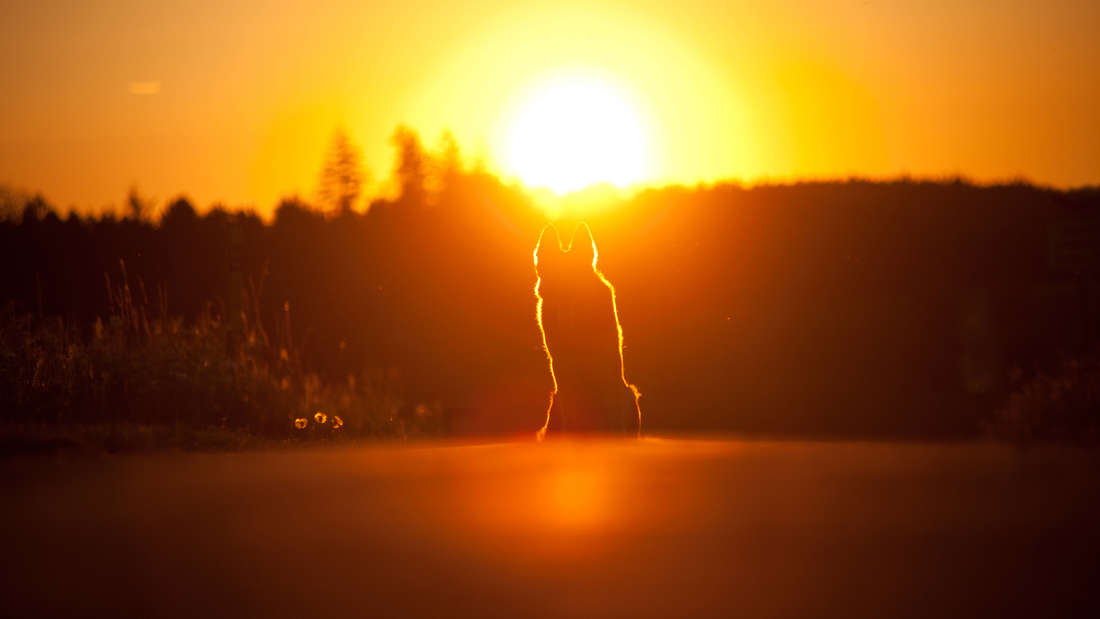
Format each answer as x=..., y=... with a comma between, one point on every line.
x=583, y=339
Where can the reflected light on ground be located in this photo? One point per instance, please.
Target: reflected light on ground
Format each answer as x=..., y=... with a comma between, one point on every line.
x=641, y=528
x=576, y=498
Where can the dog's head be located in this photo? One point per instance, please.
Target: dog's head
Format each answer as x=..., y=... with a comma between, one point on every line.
x=563, y=266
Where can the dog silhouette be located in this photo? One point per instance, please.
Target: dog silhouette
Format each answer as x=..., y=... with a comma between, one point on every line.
x=582, y=337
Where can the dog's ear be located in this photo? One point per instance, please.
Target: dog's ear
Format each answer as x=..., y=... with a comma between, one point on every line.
x=549, y=246
x=583, y=248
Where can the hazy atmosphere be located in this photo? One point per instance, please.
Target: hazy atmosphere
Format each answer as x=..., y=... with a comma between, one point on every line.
x=234, y=102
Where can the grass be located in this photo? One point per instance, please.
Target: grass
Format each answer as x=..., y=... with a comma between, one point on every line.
x=141, y=379
x=26, y=439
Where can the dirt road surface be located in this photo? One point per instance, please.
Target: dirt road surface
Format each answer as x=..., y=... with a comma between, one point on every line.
x=650, y=528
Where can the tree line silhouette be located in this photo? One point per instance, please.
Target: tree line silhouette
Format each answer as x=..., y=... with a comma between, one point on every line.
x=848, y=308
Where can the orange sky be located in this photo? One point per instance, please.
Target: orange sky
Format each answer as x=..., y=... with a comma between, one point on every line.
x=236, y=101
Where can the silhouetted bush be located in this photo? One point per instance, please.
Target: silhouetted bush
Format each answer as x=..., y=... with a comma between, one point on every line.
x=1062, y=406
x=139, y=367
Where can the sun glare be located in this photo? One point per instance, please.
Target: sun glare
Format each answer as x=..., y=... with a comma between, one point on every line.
x=574, y=131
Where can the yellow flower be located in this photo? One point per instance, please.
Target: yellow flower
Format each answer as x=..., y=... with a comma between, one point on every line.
x=337, y=422
x=320, y=417
x=301, y=423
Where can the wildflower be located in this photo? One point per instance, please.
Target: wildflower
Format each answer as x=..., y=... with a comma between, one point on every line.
x=320, y=417
x=337, y=423
x=301, y=423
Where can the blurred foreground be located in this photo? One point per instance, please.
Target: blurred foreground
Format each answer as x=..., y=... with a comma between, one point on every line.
x=653, y=528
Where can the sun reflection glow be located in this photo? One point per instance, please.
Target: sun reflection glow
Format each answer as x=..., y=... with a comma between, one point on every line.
x=575, y=497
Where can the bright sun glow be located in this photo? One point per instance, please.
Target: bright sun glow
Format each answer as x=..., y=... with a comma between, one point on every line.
x=575, y=131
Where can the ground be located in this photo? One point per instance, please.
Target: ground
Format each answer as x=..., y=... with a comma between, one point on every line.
x=650, y=528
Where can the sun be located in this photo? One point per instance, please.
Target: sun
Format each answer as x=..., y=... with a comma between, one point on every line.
x=573, y=131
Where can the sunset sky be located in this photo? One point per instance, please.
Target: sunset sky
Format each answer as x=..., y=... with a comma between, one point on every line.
x=236, y=101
